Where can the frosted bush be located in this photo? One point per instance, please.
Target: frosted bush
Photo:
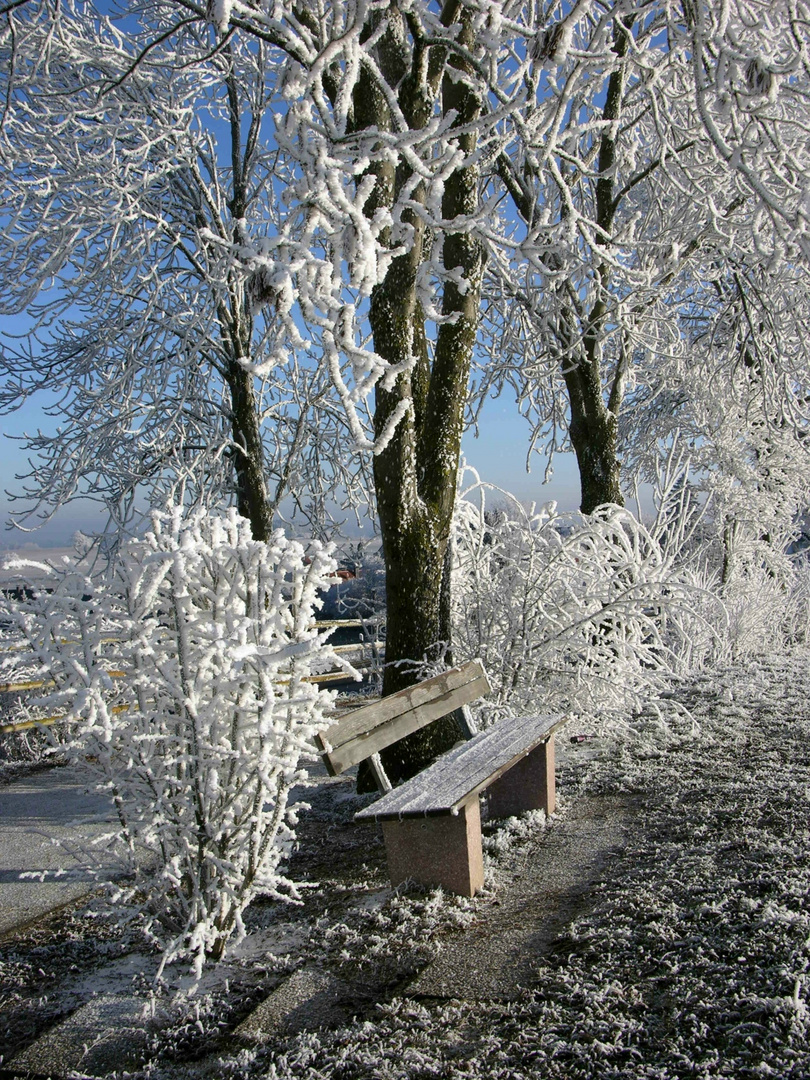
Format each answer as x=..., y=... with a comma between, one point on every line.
x=766, y=596
x=587, y=614
x=799, y=603
x=699, y=632
x=186, y=671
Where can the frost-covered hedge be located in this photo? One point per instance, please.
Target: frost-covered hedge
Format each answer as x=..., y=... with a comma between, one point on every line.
x=185, y=673
x=576, y=613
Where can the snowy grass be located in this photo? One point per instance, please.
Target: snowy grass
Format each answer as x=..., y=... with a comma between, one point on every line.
x=691, y=959
x=695, y=959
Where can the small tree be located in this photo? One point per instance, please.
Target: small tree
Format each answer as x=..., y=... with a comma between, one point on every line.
x=186, y=671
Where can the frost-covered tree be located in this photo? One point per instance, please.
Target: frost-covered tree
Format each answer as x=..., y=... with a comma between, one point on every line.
x=125, y=183
x=563, y=152
x=633, y=205
x=739, y=394
x=382, y=119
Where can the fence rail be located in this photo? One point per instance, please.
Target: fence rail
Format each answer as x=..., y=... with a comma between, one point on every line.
x=38, y=684
x=325, y=677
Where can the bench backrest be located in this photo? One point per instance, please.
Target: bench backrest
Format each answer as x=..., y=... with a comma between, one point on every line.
x=368, y=730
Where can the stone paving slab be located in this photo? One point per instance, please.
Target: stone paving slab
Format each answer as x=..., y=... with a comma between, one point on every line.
x=107, y=1034
x=52, y=805
x=309, y=999
x=537, y=899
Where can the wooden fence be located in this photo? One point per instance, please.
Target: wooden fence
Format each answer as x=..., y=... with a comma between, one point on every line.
x=325, y=677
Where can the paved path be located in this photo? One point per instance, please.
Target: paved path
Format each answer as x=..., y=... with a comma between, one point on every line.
x=541, y=892
x=45, y=821
x=547, y=884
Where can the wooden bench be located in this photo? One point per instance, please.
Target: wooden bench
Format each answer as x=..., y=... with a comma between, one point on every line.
x=432, y=823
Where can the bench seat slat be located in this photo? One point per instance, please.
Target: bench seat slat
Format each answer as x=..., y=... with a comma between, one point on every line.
x=370, y=729
x=466, y=770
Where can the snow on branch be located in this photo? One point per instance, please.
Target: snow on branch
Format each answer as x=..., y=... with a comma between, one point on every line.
x=591, y=614
x=185, y=672
x=224, y=187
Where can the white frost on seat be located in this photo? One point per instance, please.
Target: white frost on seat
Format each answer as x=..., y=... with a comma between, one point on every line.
x=466, y=769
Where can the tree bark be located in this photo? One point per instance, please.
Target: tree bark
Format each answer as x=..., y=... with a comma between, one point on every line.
x=415, y=475
x=594, y=425
x=593, y=432
x=252, y=500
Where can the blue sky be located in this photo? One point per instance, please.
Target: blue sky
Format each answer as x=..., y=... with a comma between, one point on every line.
x=499, y=455
x=13, y=460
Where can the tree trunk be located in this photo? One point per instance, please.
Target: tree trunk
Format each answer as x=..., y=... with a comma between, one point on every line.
x=236, y=323
x=248, y=454
x=594, y=425
x=414, y=546
x=593, y=434
x=415, y=481
x=415, y=474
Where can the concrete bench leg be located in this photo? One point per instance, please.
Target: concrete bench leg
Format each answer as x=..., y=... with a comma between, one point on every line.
x=442, y=850
x=529, y=785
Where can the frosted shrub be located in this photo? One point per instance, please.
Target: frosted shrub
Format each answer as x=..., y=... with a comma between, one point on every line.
x=799, y=603
x=567, y=612
x=698, y=632
x=185, y=671
x=765, y=595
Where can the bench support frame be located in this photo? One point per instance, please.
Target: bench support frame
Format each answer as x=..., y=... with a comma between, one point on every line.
x=529, y=785
x=443, y=850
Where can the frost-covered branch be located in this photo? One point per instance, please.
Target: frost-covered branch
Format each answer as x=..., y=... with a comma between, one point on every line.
x=199, y=733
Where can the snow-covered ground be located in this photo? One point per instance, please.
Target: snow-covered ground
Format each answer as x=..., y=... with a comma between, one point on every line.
x=691, y=959
x=694, y=962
